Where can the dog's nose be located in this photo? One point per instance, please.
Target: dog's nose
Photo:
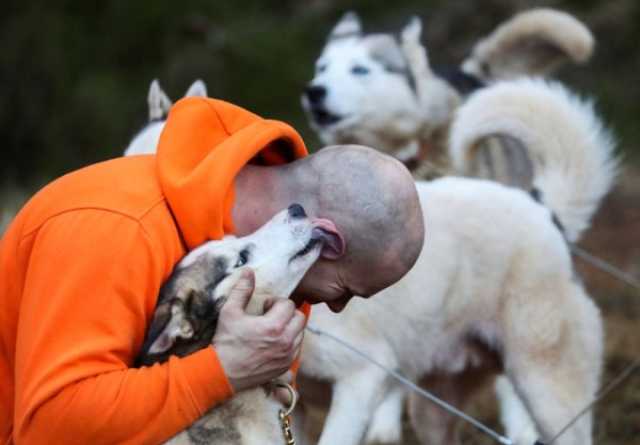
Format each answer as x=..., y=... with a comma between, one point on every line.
x=315, y=93
x=297, y=211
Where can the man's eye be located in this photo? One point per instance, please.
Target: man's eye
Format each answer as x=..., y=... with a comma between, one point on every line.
x=360, y=70
x=243, y=258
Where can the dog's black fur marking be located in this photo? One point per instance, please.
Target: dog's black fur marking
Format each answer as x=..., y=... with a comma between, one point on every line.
x=464, y=83
x=536, y=194
x=202, y=434
x=200, y=309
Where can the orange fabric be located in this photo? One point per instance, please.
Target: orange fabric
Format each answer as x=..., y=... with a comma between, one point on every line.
x=80, y=270
x=305, y=308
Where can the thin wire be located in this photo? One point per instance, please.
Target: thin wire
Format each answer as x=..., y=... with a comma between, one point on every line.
x=582, y=254
x=601, y=394
x=426, y=394
x=604, y=266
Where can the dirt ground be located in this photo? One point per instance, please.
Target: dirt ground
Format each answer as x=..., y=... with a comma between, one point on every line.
x=615, y=237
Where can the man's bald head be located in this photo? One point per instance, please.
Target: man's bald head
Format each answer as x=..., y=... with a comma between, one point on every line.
x=373, y=202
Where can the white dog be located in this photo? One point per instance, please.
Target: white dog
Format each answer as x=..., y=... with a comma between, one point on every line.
x=377, y=91
x=280, y=253
x=146, y=140
x=493, y=290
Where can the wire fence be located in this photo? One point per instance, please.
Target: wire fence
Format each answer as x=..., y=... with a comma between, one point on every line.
x=616, y=382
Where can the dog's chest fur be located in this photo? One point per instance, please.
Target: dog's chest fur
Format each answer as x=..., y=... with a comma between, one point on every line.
x=247, y=419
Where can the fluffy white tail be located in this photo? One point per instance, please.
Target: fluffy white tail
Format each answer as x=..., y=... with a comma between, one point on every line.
x=570, y=150
x=534, y=42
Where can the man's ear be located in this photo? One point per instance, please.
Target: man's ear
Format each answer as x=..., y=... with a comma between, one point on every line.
x=348, y=26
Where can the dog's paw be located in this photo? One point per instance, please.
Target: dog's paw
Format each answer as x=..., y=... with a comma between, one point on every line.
x=386, y=424
x=384, y=433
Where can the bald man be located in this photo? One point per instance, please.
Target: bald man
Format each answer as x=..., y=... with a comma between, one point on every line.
x=82, y=264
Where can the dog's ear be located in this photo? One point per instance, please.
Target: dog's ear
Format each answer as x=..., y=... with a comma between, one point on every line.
x=412, y=31
x=384, y=49
x=348, y=26
x=159, y=102
x=197, y=89
x=167, y=327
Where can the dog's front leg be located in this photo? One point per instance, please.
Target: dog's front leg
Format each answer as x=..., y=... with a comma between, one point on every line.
x=355, y=399
x=386, y=425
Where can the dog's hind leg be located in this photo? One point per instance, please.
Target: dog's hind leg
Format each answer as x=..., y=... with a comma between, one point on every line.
x=386, y=425
x=553, y=353
x=514, y=416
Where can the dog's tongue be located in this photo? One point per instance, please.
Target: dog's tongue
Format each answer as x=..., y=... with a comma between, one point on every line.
x=327, y=232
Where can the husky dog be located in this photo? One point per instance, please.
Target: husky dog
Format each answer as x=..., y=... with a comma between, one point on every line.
x=146, y=140
x=377, y=91
x=280, y=253
x=494, y=290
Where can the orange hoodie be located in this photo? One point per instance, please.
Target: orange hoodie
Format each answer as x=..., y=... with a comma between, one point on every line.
x=80, y=271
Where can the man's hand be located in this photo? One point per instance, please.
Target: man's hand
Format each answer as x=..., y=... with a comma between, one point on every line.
x=255, y=349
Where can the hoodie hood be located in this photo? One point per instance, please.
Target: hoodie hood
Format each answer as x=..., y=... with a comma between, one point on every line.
x=204, y=144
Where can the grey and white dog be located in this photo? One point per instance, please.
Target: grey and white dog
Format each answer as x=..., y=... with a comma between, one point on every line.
x=380, y=91
x=185, y=319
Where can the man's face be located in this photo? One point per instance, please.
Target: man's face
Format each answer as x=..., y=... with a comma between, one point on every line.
x=330, y=282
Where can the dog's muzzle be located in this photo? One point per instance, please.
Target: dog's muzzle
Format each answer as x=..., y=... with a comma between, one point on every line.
x=316, y=95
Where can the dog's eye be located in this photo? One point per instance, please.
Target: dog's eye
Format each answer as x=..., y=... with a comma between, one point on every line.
x=360, y=70
x=321, y=68
x=243, y=258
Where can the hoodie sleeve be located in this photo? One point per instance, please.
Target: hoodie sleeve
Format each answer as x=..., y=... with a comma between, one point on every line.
x=80, y=330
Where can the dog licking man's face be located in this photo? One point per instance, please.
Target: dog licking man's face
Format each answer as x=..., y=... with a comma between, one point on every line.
x=280, y=253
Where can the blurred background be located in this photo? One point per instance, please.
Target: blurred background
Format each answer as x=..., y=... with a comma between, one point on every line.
x=74, y=77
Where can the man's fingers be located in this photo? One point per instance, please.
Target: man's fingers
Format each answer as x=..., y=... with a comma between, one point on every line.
x=294, y=330
x=268, y=304
x=240, y=293
x=279, y=314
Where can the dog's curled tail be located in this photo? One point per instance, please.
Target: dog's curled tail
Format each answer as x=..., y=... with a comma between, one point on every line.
x=571, y=152
x=534, y=42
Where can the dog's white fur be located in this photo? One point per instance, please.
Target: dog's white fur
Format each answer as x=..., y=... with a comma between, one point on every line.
x=382, y=110
x=495, y=278
x=146, y=140
x=573, y=163
x=521, y=46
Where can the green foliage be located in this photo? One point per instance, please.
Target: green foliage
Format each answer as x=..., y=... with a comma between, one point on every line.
x=74, y=75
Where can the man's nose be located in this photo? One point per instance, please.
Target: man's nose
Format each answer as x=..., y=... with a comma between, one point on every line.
x=297, y=211
x=315, y=93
